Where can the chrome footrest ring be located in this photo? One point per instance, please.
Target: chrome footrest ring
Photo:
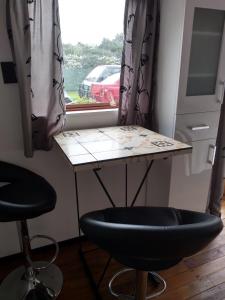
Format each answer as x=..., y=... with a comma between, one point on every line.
x=157, y=278
x=161, y=281
x=40, y=236
x=112, y=280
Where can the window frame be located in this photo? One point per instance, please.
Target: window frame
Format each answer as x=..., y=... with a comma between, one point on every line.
x=89, y=106
x=91, y=118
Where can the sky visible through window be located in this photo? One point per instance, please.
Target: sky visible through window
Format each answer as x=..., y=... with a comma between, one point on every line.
x=89, y=21
x=92, y=36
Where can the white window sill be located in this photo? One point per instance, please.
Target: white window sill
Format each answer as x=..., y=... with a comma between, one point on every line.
x=91, y=118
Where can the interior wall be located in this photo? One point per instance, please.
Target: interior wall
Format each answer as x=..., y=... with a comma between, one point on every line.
x=61, y=223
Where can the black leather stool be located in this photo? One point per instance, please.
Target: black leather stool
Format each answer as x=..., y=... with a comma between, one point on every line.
x=23, y=196
x=149, y=239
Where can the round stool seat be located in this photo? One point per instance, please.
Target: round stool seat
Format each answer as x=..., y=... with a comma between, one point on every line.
x=24, y=195
x=150, y=238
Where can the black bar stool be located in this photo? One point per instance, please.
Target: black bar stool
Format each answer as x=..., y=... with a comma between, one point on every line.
x=23, y=196
x=149, y=239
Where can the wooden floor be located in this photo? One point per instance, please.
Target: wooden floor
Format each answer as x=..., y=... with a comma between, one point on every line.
x=199, y=277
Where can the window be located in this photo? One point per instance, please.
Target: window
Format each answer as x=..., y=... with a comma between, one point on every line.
x=92, y=36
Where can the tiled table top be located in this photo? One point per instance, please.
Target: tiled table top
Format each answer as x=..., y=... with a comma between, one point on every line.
x=94, y=148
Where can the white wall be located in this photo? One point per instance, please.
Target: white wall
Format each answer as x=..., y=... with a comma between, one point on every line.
x=62, y=222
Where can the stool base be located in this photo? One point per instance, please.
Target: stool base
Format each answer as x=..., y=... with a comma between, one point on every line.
x=46, y=283
x=152, y=276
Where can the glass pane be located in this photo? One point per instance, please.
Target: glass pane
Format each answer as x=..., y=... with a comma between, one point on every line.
x=205, y=51
x=92, y=43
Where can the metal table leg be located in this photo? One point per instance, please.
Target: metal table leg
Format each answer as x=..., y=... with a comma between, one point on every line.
x=95, y=286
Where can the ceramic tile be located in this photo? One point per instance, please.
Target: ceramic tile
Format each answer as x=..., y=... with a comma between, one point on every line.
x=102, y=146
x=115, y=154
x=93, y=135
x=82, y=159
x=65, y=140
x=144, y=150
x=123, y=133
x=74, y=149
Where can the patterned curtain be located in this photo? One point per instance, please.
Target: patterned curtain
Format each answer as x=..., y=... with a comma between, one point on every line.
x=34, y=33
x=141, y=30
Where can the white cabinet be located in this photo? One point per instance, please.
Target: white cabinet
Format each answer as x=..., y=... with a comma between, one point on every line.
x=190, y=177
x=202, y=76
x=191, y=77
x=197, y=127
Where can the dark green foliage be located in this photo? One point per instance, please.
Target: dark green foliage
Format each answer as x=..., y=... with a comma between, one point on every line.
x=80, y=59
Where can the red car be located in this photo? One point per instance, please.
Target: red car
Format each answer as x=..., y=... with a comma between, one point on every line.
x=107, y=91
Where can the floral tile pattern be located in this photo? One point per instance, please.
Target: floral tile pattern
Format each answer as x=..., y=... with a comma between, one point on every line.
x=92, y=148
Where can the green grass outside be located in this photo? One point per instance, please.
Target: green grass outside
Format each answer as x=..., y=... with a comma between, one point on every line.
x=74, y=96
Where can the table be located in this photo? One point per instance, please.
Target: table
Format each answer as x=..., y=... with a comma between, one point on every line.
x=92, y=149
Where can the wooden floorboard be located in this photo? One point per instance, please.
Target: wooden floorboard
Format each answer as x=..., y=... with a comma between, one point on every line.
x=200, y=277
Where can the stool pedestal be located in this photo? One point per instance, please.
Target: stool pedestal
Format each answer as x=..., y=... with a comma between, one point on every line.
x=34, y=280
x=45, y=284
x=142, y=280
x=141, y=285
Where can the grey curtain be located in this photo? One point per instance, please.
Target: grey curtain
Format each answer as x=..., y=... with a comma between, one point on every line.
x=217, y=182
x=138, y=69
x=35, y=38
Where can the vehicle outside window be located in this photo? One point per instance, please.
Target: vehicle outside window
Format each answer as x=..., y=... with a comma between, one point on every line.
x=107, y=91
x=98, y=74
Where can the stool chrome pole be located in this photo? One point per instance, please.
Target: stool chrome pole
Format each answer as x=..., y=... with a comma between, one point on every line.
x=141, y=285
x=42, y=280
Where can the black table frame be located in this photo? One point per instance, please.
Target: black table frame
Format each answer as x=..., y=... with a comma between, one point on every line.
x=96, y=285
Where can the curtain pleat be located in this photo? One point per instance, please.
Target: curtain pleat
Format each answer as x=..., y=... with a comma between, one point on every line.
x=19, y=35
x=35, y=37
x=138, y=68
